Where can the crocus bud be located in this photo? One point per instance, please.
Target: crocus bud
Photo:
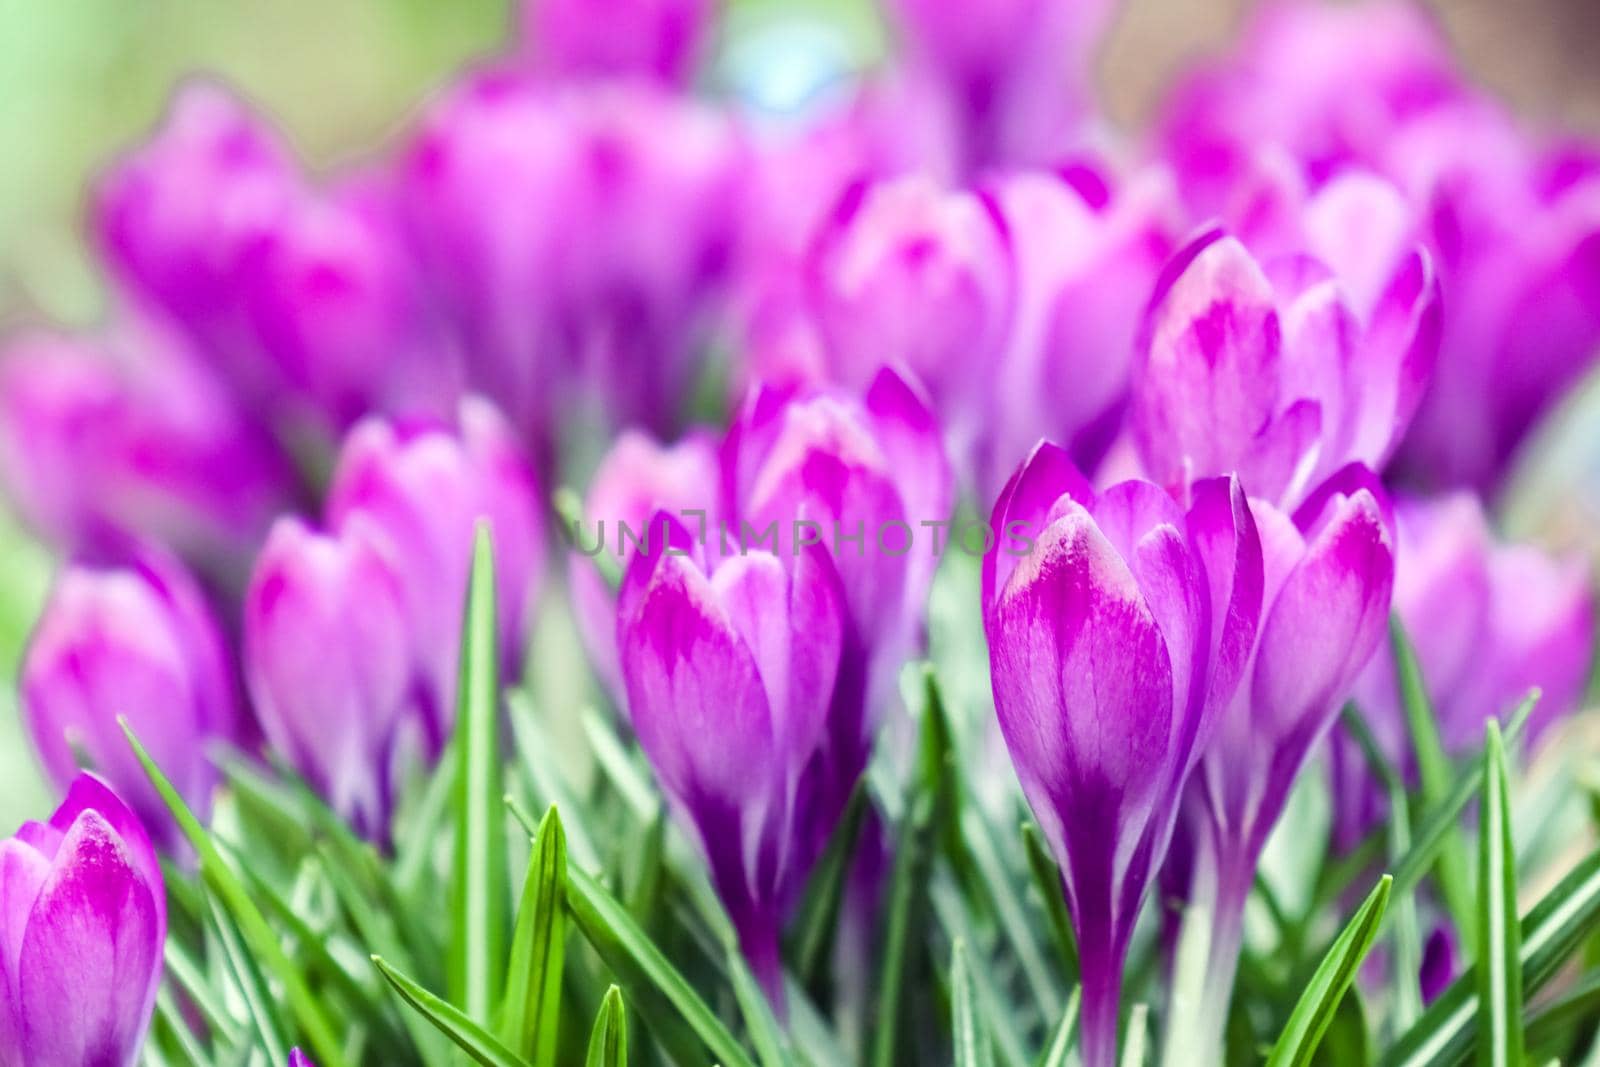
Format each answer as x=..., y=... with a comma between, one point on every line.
x=328, y=659
x=85, y=924
x=1438, y=968
x=908, y=275
x=179, y=218
x=139, y=642
x=730, y=666
x=124, y=439
x=867, y=478
x=1088, y=252
x=1118, y=627
x=299, y=1059
x=580, y=237
x=423, y=488
x=1268, y=372
x=1014, y=76
x=1328, y=573
x=637, y=478
x=661, y=40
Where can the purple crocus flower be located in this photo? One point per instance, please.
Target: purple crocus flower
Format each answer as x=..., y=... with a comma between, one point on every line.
x=1487, y=621
x=1118, y=628
x=730, y=666
x=423, y=487
x=1012, y=78
x=328, y=659
x=299, y=1059
x=85, y=922
x=333, y=300
x=113, y=441
x=135, y=641
x=179, y=220
x=1267, y=371
x=909, y=275
x=868, y=478
x=580, y=237
x=1089, y=247
x=637, y=478
x=657, y=39
x=1328, y=574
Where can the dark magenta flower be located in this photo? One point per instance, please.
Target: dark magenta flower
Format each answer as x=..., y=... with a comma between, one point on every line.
x=866, y=477
x=81, y=946
x=135, y=641
x=730, y=665
x=1118, y=628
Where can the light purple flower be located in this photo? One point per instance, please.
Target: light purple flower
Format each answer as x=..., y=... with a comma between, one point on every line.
x=1088, y=247
x=423, y=487
x=637, y=478
x=85, y=920
x=1013, y=78
x=112, y=441
x=1488, y=622
x=328, y=658
x=299, y=1059
x=1267, y=371
x=1328, y=574
x=658, y=39
x=580, y=237
x=135, y=641
x=730, y=666
x=870, y=477
x=908, y=275
x=1118, y=628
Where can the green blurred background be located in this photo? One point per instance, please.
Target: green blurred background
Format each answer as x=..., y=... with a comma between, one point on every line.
x=81, y=80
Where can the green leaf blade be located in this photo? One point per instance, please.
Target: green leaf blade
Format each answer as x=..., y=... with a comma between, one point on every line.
x=966, y=1017
x=608, y=1041
x=1317, y=1005
x=1500, y=1039
x=532, y=1014
x=476, y=959
x=450, y=1020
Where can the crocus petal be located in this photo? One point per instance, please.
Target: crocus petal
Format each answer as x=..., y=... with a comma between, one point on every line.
x=1206, y=381
x=1224, y=533
x=1020, y=512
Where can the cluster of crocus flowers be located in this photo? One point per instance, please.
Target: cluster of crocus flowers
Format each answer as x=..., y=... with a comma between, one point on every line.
x=1332, y=274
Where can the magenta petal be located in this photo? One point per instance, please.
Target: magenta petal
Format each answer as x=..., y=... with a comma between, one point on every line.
x=91, y=958
x=1206, y=382
x=1225, y=537
x=1021, y=511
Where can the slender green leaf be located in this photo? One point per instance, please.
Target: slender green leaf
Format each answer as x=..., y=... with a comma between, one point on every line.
x=919, y=825
x=1436, y=774
x=1320, y=1000
x=258, y=1004
x=186, y=974
x=419, y=837
x=169, y=1018
x=1431, y=831
x=1136, y=1047
x=258, y=935
x=608, y=927
x=1052, y=896
x=608, y=1041
x=1551, y=932
x=967, y=1027
x=817, y=921
x=755, y=1009
x=999, y=1009
x=1005, y=900
x=1499, y=932
x=532, y=1015
x=1055, y=1054
x=477, y=955
x=451, y=1021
